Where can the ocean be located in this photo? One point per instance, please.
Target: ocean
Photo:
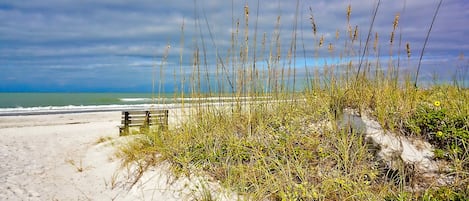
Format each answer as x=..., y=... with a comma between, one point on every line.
x=47, y=103
x=57, y=103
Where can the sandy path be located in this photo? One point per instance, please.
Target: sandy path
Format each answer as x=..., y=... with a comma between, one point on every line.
x=38, y=153
x=57, y=157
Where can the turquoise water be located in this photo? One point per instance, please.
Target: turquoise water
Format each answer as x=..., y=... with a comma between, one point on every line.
x=59, y=103
x=26, y=100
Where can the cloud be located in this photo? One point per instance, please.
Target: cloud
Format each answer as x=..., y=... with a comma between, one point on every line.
x=120, y=38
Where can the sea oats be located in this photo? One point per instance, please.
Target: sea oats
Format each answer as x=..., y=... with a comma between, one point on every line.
x=355, y=33
x=392, y=38
x=350, y=31
x=313, y=23
x=375, y=43
x=321, y=41
x=396, y=21
x=349, y=12
x=407, y=47
x=246, y=10
x=330, y=48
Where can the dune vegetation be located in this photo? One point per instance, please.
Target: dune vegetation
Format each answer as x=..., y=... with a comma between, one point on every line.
x=288, y=141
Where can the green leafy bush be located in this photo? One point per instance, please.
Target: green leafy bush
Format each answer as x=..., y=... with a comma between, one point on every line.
x=443, y=128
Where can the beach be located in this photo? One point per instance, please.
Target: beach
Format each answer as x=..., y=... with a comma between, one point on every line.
x=37, y=153
x=72, y=157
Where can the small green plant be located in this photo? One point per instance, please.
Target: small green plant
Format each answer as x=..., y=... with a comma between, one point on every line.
x=113, y=182
x=78, y=167
x=445, y=193
x=442, y=127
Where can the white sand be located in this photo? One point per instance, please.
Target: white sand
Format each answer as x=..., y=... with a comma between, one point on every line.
x=57, y=157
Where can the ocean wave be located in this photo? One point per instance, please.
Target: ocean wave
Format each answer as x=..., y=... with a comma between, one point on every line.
x=135, y=99
x=127, y=104
x=169, y=100
x=77, y=109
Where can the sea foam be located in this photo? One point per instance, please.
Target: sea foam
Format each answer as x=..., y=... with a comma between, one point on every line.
x=77, y=109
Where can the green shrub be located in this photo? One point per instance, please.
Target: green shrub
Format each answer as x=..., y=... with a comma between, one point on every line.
x=441, y=127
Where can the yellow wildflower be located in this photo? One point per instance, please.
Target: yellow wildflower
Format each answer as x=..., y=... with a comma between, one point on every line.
x=437, y=103
x=439, y=134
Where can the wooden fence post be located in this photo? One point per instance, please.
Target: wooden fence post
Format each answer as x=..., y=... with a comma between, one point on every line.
x=147, y=122
x=166, y=116
x=126, y=122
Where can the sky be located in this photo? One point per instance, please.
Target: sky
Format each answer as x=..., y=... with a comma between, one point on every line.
x=121, y=45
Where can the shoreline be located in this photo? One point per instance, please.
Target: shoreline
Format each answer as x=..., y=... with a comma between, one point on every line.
x=13, y=114
x=73, y=109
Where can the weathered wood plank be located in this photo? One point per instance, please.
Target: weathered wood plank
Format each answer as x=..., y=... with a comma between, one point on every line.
x=143, y=119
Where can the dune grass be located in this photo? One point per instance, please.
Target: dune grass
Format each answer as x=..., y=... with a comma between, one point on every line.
x=287, y=142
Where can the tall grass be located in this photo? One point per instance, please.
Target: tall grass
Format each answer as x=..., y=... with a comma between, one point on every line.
x=288, y=141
